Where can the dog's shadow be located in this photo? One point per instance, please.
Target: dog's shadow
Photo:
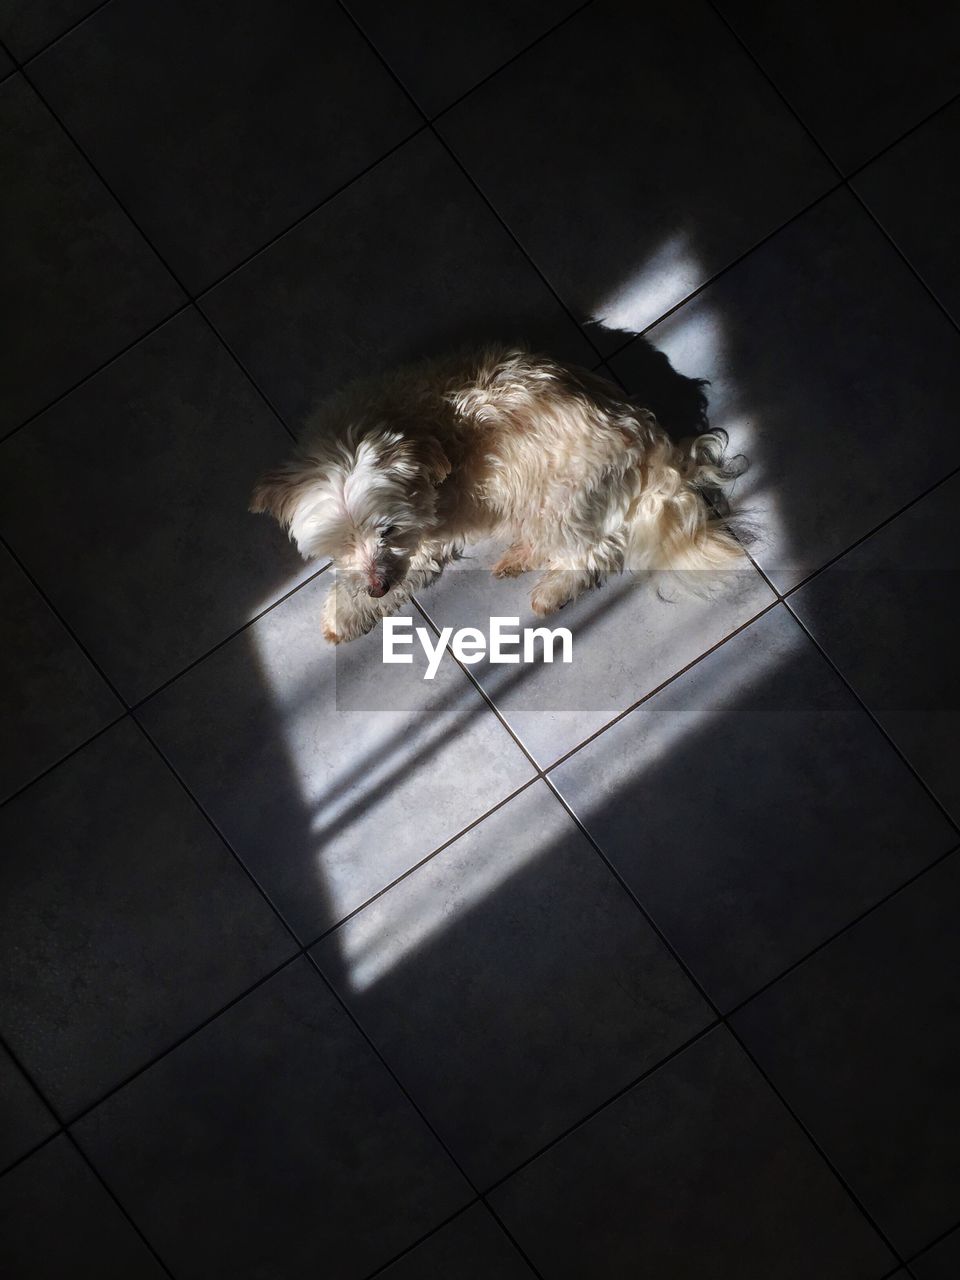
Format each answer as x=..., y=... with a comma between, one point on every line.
x=679, y=402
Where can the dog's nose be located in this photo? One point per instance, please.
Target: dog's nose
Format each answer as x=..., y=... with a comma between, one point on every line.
x=378, y=587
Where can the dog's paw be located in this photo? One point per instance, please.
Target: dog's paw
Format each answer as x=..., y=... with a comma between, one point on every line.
x=549, y=597
x=513, y=562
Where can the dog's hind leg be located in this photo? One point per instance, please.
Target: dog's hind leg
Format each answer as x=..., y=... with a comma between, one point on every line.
x=570, y=575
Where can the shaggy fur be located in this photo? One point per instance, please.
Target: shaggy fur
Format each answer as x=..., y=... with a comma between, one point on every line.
x=391, y=481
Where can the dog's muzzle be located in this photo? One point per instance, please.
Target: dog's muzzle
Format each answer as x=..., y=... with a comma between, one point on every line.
x=378, y=587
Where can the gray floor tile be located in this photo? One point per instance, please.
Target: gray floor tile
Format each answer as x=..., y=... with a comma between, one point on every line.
x=512, y=985
x=597, y=170
x=472, y=1247
x=153, y=557
x=858, y=81
x=78, y=282
x=888, y=614
x=124, y=920
x=52, y=698
x=24, y=1119
x=303, y=1152
x=817, y=393
x=625, y=642
x=408, y=262
x=27, y=25
x=329, y=772
x=440, y=51
x=941, y=1263
x=697, y=1171
x=860, y=1040
x=293, y=104
x=56, y=1220
x=753, y=808
x=915, y=192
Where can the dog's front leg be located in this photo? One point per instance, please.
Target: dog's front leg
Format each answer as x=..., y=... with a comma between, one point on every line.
x=348, y=612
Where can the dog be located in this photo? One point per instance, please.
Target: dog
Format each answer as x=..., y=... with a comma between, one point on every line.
x=393, y=478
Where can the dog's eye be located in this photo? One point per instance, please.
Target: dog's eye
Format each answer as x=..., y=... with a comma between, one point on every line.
x=388, y=531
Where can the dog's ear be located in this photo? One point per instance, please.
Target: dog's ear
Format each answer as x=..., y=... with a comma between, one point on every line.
x=276, y=493
x=433, y=459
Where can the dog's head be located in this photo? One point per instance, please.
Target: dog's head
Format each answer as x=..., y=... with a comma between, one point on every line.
x=366, y=501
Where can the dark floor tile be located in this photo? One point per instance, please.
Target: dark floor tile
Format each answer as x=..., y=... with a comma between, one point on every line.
x=512, y=985
x=51, y=698
x=24, y=1119
x=78, y=282
x=274, y=1141
x=329, y=772
x=124, y=920
x=153, y=557
x=408, y=262
x=817, y=392
x=915, y=192
x=753, y=808
x=56, y=1220
x=857, y=80
x=698, y=1171
x=440, y=51
x=596, y=167
x=7, y=65
x=888, y=614
x=941, y=1263
x=27, y=25
x=216, y=135
x=862, y=1042
x=472, y=1247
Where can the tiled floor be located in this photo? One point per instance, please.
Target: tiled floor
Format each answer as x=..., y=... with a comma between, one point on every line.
x=643, y=966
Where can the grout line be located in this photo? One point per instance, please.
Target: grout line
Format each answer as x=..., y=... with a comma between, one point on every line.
x=61, y=1131
x=914, y=128
x=513, y=58
x=717, y=275
x=845, y=179
x=179, y=1042
x=876, y=722
x=932, y=1244
x=136, y=706
x=195, y=662
x=99, y=1177
x=64, y=758
x=396, y=1079
x=87, y=377
x=881, y=902
x=487, y=698
x=301, y=218
x=548, y=768
x=215, y=828
x=470, y=178
x=70, y=631
x=828, y=564
x=50, y=43
x=192, y=300
x=434, y=853
x=722, y=1018
x=421, y=1239
x=614, y=1098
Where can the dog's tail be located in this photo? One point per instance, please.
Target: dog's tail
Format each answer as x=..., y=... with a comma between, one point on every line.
x=680, y=521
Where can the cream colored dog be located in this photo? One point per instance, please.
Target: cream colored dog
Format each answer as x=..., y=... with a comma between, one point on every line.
x=391, y=480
